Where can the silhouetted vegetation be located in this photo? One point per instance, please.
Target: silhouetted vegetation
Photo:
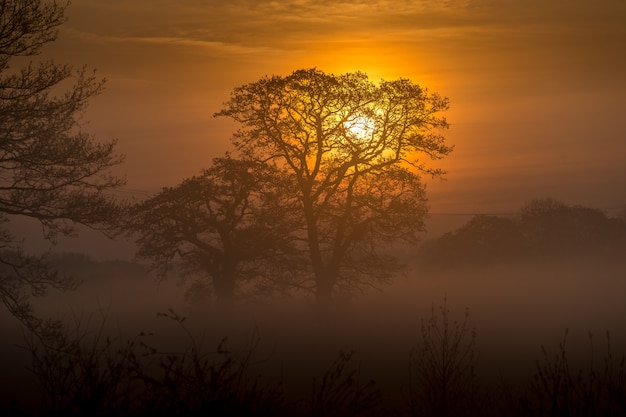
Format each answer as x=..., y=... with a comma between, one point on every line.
x=442, y=374
x=224, y=229
x=542, y=229
x=343, y=143
x=87, y=373
x=561, y=388
x=84, y=372
x=321, y=187
x=51, y=171
x=340, y=393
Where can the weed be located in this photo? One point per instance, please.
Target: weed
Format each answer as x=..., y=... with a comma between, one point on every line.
x=442, y=379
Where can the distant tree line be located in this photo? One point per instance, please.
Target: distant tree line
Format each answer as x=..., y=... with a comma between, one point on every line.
x=543, y=228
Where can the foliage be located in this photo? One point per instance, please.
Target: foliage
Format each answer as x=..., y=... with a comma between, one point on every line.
x=355, y=191
x=91, y=374
x=442, y=380
x=84, y=372
x=340, y=392
x=482, y=239
x=552, y=227
x=50, y=170
x=223, y=225
x=559, y=388
x=196, y=383
x=542, y=228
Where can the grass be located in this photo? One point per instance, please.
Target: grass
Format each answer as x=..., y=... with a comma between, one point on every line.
x=442, y=377
x=559, y=389
x=340, y=392
x=83, y=372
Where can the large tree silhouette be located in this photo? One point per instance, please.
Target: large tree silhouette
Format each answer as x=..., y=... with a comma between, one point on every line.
x=50, y=170
x=353, y=152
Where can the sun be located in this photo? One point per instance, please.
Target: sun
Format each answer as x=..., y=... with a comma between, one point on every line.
x=361, y=127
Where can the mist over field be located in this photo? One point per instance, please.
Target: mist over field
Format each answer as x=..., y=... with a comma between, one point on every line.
x=514, y=307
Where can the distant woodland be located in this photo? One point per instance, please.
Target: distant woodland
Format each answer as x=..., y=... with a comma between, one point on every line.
x=543, y=229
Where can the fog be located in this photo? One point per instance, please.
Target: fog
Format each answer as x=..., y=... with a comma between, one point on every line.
x=515, y=308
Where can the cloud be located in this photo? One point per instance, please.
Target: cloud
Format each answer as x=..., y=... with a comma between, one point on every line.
x=244, y=26
x=251, y=23
x=213, y=47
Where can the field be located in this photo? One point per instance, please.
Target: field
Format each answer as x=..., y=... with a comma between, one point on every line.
x=515, y=309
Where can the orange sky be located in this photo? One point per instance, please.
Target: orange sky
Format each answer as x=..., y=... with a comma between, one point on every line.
x=537, y=88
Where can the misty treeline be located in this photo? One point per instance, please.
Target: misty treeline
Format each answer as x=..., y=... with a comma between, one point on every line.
x=86, y=372
x=543, y=229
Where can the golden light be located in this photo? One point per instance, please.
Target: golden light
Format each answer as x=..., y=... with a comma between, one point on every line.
x=361, y=127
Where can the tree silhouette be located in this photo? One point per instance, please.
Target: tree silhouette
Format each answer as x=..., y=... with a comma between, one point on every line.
x=542, y=228
x=554, y=228
x=222, y=225
x=353, y=152
x=483, y=239
x=50, y=170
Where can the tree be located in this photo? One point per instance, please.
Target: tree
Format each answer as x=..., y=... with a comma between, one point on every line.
x=50, y=170
x=484, y=239
x=222, y=225
x=353, y=152
x=553, y=228
x=542, y=228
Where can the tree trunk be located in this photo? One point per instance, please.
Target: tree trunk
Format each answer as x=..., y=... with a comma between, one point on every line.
x=224, y=284
x=323, y=289
x=325, y=280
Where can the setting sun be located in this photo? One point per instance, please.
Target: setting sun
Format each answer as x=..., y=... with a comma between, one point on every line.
x=361, y=127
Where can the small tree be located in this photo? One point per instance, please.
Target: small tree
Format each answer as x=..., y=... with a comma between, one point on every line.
x=50, y=170
x=352, y=151
x=222, y=225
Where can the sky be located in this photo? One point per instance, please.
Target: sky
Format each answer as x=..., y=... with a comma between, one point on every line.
x=537, y=88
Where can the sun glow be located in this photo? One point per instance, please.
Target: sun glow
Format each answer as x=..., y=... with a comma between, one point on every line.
x=361, y=127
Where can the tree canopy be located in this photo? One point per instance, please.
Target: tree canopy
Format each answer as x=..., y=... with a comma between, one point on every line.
x=353, y=152
x=221, y=226
x=543, y=228
x=50, y=169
